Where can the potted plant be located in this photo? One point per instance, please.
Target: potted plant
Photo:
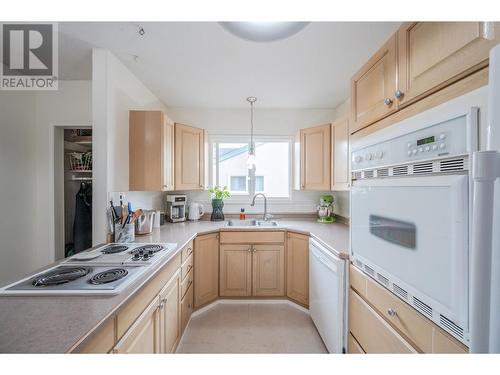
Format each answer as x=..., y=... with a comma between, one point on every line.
x=218, y=195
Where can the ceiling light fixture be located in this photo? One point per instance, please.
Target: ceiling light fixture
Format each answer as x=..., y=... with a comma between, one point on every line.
x=263, y=31
x=141, y=31
x=251, y=151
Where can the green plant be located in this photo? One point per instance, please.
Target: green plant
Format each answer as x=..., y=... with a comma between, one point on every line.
x=219, y=193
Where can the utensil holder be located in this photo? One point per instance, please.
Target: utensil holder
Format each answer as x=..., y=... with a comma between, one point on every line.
x=124, y=234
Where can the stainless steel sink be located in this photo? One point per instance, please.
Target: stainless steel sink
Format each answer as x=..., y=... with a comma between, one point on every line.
x=252, y=223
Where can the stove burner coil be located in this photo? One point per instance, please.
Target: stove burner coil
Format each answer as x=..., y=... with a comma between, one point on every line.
x=113, y=249
x=108, y=276
x=147, y=248
x=60, y=276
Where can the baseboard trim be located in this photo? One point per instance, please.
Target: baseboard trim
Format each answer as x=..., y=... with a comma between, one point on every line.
x=248, y=301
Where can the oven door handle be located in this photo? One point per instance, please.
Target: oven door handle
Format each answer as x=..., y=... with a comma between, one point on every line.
x=394, y=231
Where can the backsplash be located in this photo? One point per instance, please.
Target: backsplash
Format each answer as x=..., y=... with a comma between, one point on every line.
x=301, y=202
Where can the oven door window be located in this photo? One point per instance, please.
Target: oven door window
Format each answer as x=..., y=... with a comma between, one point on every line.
x=415, y=229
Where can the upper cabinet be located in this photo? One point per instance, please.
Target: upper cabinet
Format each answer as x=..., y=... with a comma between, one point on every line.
x=340, y=155
x=314, y=167
x=418, y=60
x=164, y=156
x=373, y=87
x=189, y=157
x=432, y=54
x=151, y=137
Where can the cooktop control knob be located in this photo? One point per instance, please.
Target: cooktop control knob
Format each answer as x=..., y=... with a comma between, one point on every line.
x=369, y=156
x=136, y=256
x=141, y=252
x=442, y=136
x=358, y=159
x=151, y=253
x=145, y=257
x=379, y=154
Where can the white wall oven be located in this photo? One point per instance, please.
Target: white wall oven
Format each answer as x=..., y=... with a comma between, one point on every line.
x=410, y=212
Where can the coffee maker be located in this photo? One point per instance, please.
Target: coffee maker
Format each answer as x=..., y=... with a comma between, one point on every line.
x=176, y=207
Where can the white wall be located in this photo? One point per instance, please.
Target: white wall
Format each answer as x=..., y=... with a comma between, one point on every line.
x=115, y=91
x=27, y=124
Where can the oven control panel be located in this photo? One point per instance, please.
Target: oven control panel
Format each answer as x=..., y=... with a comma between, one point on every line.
x=442, y=139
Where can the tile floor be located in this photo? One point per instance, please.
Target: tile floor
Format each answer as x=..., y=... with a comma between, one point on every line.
x=251, y=328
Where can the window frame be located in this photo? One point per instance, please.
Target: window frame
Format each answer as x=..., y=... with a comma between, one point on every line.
x=213, y=173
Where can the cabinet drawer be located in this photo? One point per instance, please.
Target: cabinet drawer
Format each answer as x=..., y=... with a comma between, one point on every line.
x=353, y=346
x=186, y=267
x=252, y=237
x=187, y=251
x=186, y=308
x=186, y=283
x=408, y=321
x=372, y=332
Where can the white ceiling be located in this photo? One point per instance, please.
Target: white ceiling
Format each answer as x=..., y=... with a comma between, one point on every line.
x=202, y=65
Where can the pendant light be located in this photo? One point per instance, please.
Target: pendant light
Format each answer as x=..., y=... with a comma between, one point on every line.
x=251, y=151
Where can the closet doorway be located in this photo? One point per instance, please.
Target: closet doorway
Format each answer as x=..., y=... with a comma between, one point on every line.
x=73, y=190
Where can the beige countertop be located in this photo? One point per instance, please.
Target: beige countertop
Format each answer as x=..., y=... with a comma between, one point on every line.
x=54, y=324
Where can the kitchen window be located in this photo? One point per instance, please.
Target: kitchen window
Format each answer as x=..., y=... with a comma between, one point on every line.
x=272, y=174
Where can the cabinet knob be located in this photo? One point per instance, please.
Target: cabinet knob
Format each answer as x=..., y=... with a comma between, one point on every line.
x=249, y=249
x=387, y=101
x=392, y=312
x=399, y=94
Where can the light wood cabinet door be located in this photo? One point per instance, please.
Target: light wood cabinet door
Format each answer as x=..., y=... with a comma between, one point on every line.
x=297, y=268
x=150, y=151
x=170, y=316
x=372, y=332
x=143, y=337
x=353, y=346
x=186, y=308
x=435, y=54
x=340, y=155
x=235, y=270
x=268, y=279
x=206, y=269
x=315, y=159
x=373, y=87
x=189, y=157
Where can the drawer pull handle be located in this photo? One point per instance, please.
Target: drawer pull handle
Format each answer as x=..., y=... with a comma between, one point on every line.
x=387, y=101
x=392, y=312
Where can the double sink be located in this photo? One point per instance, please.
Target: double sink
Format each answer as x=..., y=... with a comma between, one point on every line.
x=252, y=223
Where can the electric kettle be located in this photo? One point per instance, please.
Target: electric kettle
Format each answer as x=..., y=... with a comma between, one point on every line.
x=195, y=211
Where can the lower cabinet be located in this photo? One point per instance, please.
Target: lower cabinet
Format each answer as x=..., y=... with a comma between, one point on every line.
x=252, y=270
x=235, y=270
x=206, y=269
x=186, y=308
x=373, y=332
x=170, y=315
x=380, y=322
x=143, y=337
x=297, y=268
x=353, y=346
x=268, y=276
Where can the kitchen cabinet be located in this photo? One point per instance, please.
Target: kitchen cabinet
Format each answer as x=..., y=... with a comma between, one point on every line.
x=418, y=331
x=189, y=156
x=297, y=268
x=434, y=54
x=169, y=312
x=143, y=337
x=315, y=159
x=420, y=59
x=206, y=269
x=186, y=308
x=340, y=155
x=373, y=87
x=353, y=346
x=268, y=274
x=372, y=332
x=235, y=270
x=151, y=148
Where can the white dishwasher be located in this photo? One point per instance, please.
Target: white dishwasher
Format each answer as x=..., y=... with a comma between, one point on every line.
x=327, y=296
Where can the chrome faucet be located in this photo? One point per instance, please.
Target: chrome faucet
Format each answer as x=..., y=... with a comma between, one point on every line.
x=265, y=217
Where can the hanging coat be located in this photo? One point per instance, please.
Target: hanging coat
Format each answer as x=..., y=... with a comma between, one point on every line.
x=82, y=225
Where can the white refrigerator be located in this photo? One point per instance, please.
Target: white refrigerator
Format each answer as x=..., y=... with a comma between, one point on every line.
x=485, y=254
